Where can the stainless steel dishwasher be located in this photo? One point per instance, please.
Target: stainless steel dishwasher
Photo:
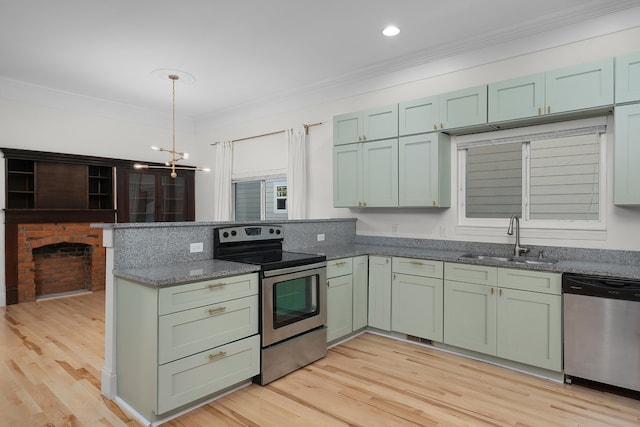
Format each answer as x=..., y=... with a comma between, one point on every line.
x=602, y=330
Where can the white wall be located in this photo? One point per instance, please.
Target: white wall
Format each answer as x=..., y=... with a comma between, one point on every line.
x=622, y=230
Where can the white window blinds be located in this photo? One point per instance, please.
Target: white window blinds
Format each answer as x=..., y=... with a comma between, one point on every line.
x=565, y=178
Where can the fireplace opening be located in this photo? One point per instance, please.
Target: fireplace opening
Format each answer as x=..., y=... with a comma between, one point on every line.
x=62, y=268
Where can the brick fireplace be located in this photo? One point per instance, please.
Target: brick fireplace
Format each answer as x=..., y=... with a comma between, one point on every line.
x=56, y=258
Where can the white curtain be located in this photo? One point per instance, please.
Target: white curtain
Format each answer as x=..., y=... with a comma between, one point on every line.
x=222, y=209
x=297, y=174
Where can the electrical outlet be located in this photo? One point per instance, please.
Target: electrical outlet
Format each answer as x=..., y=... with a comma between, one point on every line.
x=394, y=228
x=321, y=237
x=196, y=247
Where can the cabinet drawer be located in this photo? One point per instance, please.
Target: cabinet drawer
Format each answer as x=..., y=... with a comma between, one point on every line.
x=199, y=294
x=202, y=374
x=527, y=280
x=479, y=274
x=339, y=267
x=192, y=331
x=417, y=267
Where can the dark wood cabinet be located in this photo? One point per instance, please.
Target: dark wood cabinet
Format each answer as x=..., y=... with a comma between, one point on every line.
x=49, y=181
x=153, y=196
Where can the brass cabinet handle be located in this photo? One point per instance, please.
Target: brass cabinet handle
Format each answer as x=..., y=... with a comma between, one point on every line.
x=328, y=284
x=359, y=138
x=491, y=291
x=218, y=355
x=364, y=138
x=386, y=261
x=217, y=310
x=548, y=109
x=341, y=263
x=435, y=126
x=500, y=292
x=435, y=203
x=539, y=111
x=364, y=204
x=217, y=285
x=441, y=127
x=416, y=262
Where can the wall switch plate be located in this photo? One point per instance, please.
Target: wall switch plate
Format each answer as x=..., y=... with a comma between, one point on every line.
x=196, y=247
x=321, y=237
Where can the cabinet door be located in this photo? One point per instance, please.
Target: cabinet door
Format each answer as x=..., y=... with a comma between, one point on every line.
x=626, y=155
x=347, y=128
x=466, y=107
x=529, y=328
x=360, y=294
x=191, y=378
x=470, y=316
x=628, y=78
x=380, y=292
x=580, y=87
x=517, y=98
x=380, y=123
x=347, y=172
x=339, y=307
x=424, y=177
x=380, y=178
x=416, y=306
x=418, y=116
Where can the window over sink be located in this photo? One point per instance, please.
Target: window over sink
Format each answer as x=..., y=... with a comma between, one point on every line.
x=551, y=176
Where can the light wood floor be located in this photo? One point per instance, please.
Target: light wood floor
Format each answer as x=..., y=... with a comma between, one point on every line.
x=51, y=354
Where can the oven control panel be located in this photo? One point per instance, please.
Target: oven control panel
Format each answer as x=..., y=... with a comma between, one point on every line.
x=248, y=233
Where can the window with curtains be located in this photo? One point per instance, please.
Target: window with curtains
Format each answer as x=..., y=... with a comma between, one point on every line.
x=550, y=179
x=264, y=199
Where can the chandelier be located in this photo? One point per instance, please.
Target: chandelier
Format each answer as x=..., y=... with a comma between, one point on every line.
x=176, y=155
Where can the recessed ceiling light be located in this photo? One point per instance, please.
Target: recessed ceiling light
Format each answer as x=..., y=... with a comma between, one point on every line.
x=391, y=30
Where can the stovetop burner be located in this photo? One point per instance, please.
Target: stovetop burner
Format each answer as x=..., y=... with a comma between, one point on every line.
x=259, y=245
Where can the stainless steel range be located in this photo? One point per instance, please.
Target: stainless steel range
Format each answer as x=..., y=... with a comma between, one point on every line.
x=293, y=295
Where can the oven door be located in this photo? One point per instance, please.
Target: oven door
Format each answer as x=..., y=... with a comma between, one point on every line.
x=293, y=302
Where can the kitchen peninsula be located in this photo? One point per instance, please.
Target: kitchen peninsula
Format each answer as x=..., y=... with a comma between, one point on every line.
x=153, y=257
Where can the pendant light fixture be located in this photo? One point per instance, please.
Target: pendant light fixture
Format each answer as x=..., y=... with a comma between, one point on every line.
x=176, y=156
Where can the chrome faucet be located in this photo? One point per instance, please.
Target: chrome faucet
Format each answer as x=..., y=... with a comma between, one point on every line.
x=517, y=250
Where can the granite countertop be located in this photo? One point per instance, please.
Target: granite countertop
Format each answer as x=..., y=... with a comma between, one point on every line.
x=627, y=271
x=171, y=274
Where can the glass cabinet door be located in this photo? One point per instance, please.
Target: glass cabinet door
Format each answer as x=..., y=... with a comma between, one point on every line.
x=142, y=197
x=173, y=198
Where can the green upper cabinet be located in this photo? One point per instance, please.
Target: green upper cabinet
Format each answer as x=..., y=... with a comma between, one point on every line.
x=380, y=173
x=347, y=175
x=458, y=109
x=348, y=128
x=418, y=116
x=628, y=78
x=368, y=125
x=465, y=107
x=366, y=174
x=580, y=87
x=517, y=98
x=424, y=170
x=626, y=155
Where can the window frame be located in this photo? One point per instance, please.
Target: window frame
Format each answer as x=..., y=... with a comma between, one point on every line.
x=264, y=181
x=555, y=228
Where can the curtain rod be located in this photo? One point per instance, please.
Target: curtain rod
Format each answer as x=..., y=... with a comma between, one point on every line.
x=306, y=130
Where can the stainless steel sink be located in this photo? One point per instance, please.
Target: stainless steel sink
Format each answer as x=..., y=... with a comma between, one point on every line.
x=512, y=260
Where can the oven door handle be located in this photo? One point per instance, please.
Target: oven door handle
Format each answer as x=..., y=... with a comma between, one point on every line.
x=305, y=267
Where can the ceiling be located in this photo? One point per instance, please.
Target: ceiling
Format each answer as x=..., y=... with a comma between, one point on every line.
x=247, y=53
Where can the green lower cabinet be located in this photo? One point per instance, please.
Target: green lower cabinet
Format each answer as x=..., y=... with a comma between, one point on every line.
x=416, y=306
x=380, y=292
x=501, y=319
x=529, y=328
x=360, y=291
x=339, y=307
x=470, y=316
